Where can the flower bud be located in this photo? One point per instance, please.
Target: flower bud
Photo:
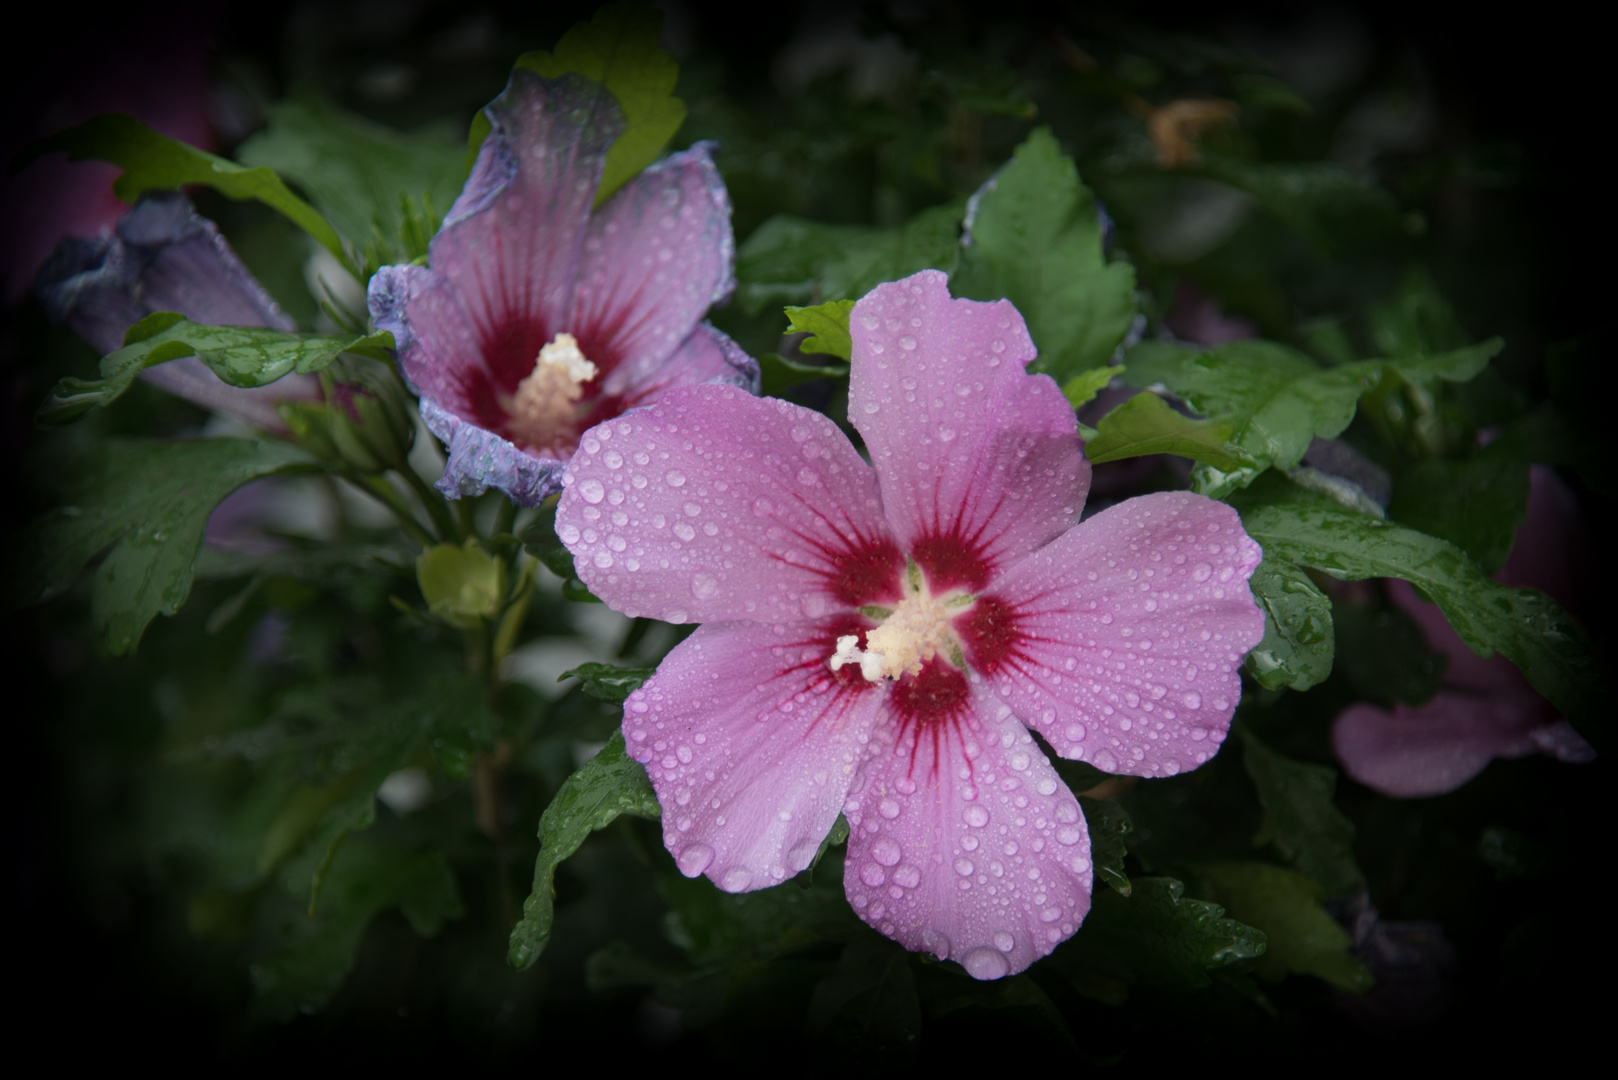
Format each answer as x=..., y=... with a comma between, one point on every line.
x=462, y=585
x=368, y=419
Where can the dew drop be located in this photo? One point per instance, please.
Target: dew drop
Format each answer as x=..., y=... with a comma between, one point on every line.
x=886, y=851
x=703, y=586
x=695, y=859
x=674, y=478
x=736, y=879
x=985, y=963
x=591, y=491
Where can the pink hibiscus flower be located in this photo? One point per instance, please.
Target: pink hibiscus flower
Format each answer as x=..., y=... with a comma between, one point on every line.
x=538, y=318
x=878, y=641
x=1485, y=708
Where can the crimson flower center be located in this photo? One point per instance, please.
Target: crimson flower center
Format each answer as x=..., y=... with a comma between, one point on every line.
x=544, y=410
x=907, y=636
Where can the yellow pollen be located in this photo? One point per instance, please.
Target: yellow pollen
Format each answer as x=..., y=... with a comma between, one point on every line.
x=917, y=631
x=542, y=412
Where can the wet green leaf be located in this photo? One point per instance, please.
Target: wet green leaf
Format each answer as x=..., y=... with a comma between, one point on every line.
x=1146, y=424
x=1036, y=241
x=870, y=1001
x=150, y=502
x=1527, y=627
x=1108, y=823
x=1476, y=504
x=240, y=355
x=1157, y=936
x=609, y=784
x=1299, y=634
x=827, y=326
x=1277, y=399
x=1082, y=388
x=1303, y=938
x=608, y=682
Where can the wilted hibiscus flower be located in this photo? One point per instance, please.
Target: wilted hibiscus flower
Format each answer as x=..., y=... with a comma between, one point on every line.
x=536, y=318
x=878, y=641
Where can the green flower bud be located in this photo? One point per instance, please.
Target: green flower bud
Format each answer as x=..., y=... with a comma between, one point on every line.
x=462, y=585
x=368, y=416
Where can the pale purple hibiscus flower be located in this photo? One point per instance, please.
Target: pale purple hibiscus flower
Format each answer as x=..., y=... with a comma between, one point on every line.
x=163, y=256
x=537, y=317
x=878, y=641
x=1484, y=709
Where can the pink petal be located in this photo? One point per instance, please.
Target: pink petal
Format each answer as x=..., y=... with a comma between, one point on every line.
x=510, y=244
x=751, y=744
x=980, y=463
x=713, y=504
x=438, y=346
x=964, y=843
x=655, y=257
x=1121, y=640
x=1436, y=747
x=706, y=355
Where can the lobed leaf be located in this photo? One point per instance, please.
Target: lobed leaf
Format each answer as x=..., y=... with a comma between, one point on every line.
x=827, y=326
x=1146, y=424
x=1036, y=240
x=1476, y=504
x=609, y=784
x=1082, y=388
x=608, y=682
x=148, y=501
x=1108, y=823
x=1302, y=937
x=1527, y=627
x=246, y=356
x=1157, y=936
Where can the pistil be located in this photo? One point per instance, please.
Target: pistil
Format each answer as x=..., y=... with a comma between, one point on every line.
x=543, y=411
x=917, y=630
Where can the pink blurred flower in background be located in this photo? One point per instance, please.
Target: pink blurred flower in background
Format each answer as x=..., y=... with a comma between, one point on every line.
x=877, y=642
x=1485, y=709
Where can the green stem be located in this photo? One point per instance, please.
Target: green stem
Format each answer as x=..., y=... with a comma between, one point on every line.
x=504, y=518
x=379, y=489
x=463, y=510
x=433, y=502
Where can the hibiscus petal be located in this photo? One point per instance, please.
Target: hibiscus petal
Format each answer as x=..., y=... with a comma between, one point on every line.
x=655, y=257
x=964, y=843
x=511, y=242
x=707, y=355
x=1436, y=747
x=164, y=256
x=713, y=504
x=1122, y=639
x=480, y=460
x=983, y=463
x=437, y=344
x=751, y=744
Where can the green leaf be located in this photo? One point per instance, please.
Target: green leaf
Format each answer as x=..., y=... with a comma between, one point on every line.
x=621, y=49
x=608, y=682
x=1527, y=627
x=383, y=190
x=1146, y=424
x=150, y=501
x=366, y=880
x=1108, y=823
x=1303, y=938
x=1082, y=388
x=240, y=355
x=1298, y=645
x=788, y=259
x=1277, y=399
x=609, y=784
x=827, y=326
x=1300, y=818
x=1476, y=504
x=153, y=162
x=1384, y=655
x=1157, y=936
x=1037, y=242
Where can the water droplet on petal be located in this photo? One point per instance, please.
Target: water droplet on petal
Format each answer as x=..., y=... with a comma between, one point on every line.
x=675, y=478
x=886, y=851
x=592, y=491
x=985, y=963
x=695, y=859
x=736, y=879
